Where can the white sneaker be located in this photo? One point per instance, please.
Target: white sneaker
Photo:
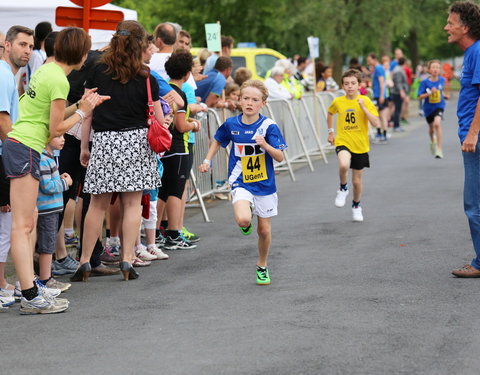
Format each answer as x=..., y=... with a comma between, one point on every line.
x=357, y=213
x=55, y=284
x=41, y=305
x=51, y=294
x=46, y=291
x=142, y=253
x=341, y=197
x=6, y=298
x=154, y=250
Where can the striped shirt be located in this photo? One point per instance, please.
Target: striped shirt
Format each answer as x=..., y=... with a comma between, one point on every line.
x=50, y=197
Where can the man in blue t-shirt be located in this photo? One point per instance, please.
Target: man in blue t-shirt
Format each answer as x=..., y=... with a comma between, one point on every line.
x=18, y=47
x=463, y=29
x=210, y=89
x=379, y=87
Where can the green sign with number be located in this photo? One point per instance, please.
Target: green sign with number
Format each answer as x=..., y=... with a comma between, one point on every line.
x=212, y=33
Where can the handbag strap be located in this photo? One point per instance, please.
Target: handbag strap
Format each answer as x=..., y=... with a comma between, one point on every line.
x=151, y=112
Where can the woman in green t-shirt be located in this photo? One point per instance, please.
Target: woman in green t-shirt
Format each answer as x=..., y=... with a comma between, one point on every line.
x=42, y=117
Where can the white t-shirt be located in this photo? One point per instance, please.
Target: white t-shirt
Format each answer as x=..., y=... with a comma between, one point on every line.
x=157, y=64
x=276, y=90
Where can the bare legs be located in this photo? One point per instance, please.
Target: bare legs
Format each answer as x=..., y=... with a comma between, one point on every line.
x=344, y=158
x=264, y=240
x=23, y=200
x=243, y=217
x=436, y=129
x=130, y=223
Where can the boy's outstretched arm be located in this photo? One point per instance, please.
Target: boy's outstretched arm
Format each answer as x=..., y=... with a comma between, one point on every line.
x=212, y=151
x=374, y=120
x=331, y=131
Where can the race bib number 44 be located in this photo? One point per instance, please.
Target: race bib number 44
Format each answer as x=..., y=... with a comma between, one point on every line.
x=254, y=166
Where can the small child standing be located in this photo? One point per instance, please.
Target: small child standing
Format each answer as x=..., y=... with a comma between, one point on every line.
x=49, y=205
x=151, y=223
x=256, y=142
x=432, y=90
x=352, y=142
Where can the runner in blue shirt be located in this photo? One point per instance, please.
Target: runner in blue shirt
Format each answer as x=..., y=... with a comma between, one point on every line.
x=432, y=90
x=256, y=142
x=379, y=87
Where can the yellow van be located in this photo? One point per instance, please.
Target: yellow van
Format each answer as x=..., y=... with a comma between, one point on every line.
x=258, y=60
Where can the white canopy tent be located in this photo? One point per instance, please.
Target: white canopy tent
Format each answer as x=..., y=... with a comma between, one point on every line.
x=30, y=12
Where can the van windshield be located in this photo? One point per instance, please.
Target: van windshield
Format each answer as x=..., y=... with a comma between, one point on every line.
x=264, y=63
x=238, y=62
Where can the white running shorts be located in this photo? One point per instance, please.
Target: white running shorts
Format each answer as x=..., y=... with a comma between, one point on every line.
x=264, y=206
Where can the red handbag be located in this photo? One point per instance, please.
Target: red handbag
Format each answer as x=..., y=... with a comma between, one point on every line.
x=158, y=136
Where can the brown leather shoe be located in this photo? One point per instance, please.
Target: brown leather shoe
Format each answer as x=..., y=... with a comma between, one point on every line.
x=466, y=271
x=103, y=270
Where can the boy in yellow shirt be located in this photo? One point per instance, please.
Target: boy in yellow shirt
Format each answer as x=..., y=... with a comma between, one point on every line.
x=351, y=142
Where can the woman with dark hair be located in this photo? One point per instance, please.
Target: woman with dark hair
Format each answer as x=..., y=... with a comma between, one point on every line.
x=42, y=117
x=121, y=160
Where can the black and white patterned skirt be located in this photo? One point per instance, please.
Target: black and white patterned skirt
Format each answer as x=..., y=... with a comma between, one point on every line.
x=121, y=162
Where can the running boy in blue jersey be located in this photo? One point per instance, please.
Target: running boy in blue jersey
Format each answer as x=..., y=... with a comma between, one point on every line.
x=432, y=90
x=256, y=142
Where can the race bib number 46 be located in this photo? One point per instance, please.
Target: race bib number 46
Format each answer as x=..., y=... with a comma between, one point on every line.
x=254, y=167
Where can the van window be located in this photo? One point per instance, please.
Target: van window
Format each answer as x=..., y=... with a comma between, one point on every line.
x=238, y=62
x=264, y=63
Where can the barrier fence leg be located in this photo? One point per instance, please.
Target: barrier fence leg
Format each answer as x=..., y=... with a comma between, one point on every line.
x=287, y=159
x=300, y=137
x=199, y=196
x=314, y=131
x=289, y=165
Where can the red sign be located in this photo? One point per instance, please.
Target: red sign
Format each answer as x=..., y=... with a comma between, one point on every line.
x=93, y=3
x=95, y=18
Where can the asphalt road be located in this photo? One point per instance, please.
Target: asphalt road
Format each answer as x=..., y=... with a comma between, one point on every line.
x=346, y=298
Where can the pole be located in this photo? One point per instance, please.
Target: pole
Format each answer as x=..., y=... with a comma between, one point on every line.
x=86, y=15
x=315, y=104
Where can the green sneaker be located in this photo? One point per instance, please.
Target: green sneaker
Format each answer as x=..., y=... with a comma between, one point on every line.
x=246, y=230
x=191, y=237
x=263, y=278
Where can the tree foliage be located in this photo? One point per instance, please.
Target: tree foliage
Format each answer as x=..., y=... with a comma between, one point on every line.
x=345, y=27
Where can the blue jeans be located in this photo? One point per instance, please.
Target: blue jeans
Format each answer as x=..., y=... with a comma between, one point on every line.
x=471, y=199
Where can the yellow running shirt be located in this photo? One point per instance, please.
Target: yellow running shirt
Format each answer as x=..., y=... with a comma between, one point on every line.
x=352, y=123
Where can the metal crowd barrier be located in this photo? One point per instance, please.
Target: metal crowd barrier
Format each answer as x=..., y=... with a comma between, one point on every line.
x=303, y=124
x=216, y=181
x=282, y=113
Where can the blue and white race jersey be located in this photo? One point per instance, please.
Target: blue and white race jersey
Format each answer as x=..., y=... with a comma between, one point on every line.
x=435, y=100
x=250, y=166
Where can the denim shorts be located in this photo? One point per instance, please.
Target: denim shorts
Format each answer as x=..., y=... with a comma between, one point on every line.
x=20, y=160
